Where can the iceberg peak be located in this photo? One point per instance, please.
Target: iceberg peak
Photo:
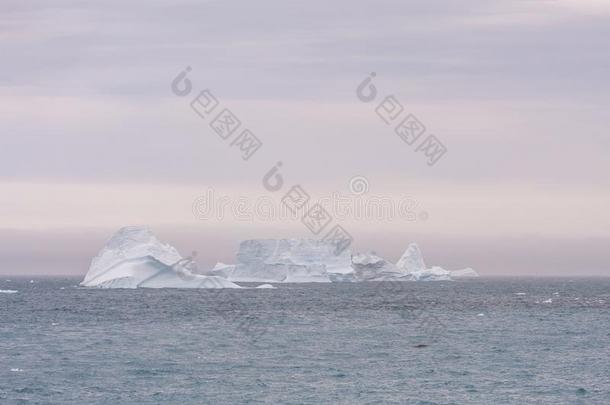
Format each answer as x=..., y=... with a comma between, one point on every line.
x=134, y=257
x=412, y=264
x=411, y=260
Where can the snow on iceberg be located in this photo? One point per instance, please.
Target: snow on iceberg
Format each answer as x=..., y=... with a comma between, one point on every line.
x=288, y=261
x=134, y=258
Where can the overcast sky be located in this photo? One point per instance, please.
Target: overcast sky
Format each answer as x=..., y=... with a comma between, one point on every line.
x=93, y=138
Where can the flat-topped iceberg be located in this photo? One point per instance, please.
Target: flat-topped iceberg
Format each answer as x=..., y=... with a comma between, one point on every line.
x=134, y=258
x=287, y=261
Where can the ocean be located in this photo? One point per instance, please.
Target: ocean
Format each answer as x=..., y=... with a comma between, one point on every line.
x=483, y=341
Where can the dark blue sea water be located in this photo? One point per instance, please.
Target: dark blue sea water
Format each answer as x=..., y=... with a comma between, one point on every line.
x=501, y=341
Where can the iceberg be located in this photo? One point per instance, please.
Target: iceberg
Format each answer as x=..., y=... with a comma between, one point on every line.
x=370, y=267
x=313, y=261
x=221, y=270
x=434, y=273
x=464, y=273
x=410, y=267
x=411, y=261
x=135, y=258
x=287, y=261
x=412, y=264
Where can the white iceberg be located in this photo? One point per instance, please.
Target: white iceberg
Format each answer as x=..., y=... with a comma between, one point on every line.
x=434, y=273
x=287, y=261
x=464, y=273
x=134, y=258
x=412, y=264
x=370, y=267
x=309, y=261
x=221, y=270
x=411, y=260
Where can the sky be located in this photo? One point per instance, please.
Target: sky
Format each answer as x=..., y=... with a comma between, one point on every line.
x=93, y=137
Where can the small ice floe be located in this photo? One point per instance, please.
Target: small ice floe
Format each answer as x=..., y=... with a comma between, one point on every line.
x=549, y=301
x=8, y=291
x=265, y=286
x=520, y=293
x=556, y=293
x=31, y=281
x=481, y=314
x=16, y=370
x=54, y=323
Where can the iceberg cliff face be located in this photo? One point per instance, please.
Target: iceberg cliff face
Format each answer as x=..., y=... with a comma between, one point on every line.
x=134, y=258
x=288, y=261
